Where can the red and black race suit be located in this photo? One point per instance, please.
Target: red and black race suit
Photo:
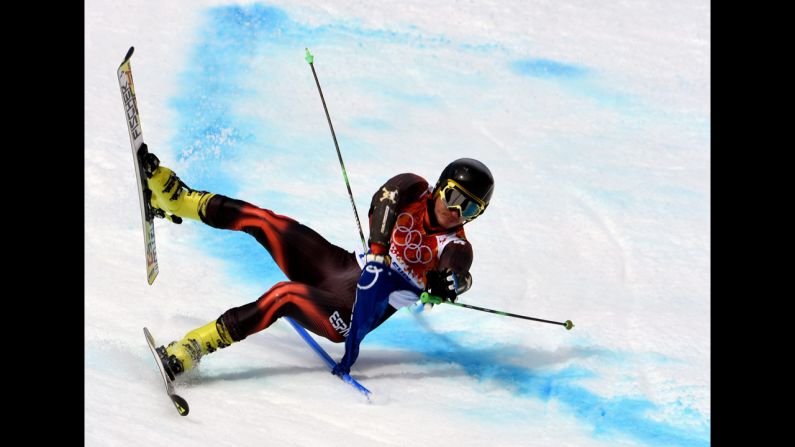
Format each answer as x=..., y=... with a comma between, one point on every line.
x=321, y=287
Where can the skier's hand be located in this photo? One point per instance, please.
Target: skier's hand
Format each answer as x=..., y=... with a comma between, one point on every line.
x=378, y=253
x=441, y=285
x=383, y=259
x=340, y=370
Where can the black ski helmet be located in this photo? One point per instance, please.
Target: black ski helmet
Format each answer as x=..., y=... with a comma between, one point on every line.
x=472, y=175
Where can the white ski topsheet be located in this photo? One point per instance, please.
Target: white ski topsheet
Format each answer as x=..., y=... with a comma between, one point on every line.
x=595, y=122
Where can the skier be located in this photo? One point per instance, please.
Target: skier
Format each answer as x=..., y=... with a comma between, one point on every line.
x=416, y=243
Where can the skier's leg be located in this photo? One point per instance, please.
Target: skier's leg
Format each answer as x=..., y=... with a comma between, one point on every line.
x=299, y=251
x=321, y=312
x=325, y=313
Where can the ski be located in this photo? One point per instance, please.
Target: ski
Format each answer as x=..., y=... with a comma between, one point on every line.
x=327, y=358
x=144, y=166
x=179, y=402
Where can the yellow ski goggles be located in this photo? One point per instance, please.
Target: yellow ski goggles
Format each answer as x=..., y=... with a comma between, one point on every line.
x=457, y=197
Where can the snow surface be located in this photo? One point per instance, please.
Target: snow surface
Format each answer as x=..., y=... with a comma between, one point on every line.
x=594, y=119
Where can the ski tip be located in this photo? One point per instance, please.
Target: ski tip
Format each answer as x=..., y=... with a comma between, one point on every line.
x=152, y=274
x=129, y=53
x=149, y=337
x=181, y=404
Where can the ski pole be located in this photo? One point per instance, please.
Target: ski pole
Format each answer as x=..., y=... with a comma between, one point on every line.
x=310, y=59
x=567, y=324
x=327, y=358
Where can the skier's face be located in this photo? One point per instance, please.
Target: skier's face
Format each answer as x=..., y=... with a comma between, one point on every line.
x=447, y=218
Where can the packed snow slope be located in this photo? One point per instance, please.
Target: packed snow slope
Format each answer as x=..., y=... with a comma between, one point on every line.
x=595, y=121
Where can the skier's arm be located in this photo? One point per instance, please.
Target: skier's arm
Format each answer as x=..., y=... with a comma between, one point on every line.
x=390, y=197
x=451, y=278
x=372, y=295
x=383, y=215
x=375, y=284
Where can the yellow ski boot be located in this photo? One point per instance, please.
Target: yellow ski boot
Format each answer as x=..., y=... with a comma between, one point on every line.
x=180, y=356
x=171, y=197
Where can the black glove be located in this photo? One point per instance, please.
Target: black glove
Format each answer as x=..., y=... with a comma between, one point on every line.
x=443, y=284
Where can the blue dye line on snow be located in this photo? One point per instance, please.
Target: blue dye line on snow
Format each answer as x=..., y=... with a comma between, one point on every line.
x=577, y=80
x=209, y=132
x=502, y=364
x=546, y=68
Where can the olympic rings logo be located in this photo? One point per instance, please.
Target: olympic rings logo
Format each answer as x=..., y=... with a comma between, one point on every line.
x=414, y=252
